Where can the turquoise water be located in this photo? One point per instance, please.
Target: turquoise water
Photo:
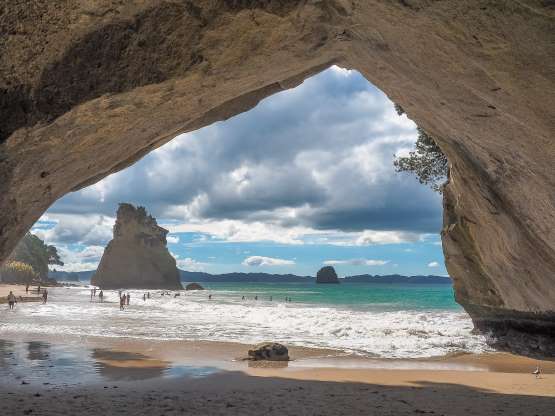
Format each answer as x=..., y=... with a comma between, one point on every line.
x=367, y=296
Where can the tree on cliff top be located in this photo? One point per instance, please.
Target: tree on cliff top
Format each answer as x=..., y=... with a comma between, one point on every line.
x=33, y=251
x=427, y=161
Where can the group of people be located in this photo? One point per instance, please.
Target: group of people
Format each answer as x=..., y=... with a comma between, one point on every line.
x=100, y=294
x=123, y=300
x=12, y=299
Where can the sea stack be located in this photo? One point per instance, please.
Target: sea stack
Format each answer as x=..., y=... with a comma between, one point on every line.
x=326, y=275
x=137, y=256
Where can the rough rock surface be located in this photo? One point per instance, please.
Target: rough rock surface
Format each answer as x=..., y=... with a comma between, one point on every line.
x=326, y=275
x=193, y=286
x=89, y=87
x=271, y=351
x=137, y=257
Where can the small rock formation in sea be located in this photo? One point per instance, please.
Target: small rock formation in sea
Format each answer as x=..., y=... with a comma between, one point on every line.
x=270, y=351
x=137, y=256
x=326, y=275
x=194, y=286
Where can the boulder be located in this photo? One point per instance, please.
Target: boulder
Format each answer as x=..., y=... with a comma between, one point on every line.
x=326, y=275
x=137, y=256
x=270, y=351
x=194, y=286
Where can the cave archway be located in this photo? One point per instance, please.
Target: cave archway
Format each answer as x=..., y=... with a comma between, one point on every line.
x=88, y=89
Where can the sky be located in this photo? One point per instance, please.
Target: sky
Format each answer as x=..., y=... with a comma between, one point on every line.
x=302, y=180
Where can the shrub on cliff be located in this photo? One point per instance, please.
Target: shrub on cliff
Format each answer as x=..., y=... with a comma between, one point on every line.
x=427, y=161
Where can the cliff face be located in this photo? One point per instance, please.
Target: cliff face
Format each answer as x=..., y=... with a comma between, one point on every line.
x=326, y=275
x=87, y=88
x=137, y=257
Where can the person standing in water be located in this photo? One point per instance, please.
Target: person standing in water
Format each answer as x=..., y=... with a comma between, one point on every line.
x=11, y=300
x=27, y=288
x=44, y=296
x=122, y=302
x=144, y=297
x=101, y=296
x=127, y=298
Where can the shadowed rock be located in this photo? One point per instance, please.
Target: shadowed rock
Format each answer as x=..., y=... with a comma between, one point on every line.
x=137, y=257
x=193, y=286
x=326, y=275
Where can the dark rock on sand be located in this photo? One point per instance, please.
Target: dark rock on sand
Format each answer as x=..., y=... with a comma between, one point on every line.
x=137, y=257
x=271, y=351
x=194, y=286
x=326, y=275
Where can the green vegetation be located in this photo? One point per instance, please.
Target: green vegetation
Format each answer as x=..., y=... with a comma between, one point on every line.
x=33, y=251
x=427, y=162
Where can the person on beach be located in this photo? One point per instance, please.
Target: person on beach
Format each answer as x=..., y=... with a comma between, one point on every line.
x=27, y=288
x=243, y=298
x=148, y=295
x=209, y=297
x=101, y=296
x=92, y=292
x=11, y=300
x=127, y=298
x=144, y=297
x=44, y=296
x=122, y=303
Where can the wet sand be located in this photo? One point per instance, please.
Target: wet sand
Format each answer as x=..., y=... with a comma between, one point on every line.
x=136, y=379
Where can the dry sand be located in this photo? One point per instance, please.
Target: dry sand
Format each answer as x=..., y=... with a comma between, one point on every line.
x=317, y=382
x=19, y=292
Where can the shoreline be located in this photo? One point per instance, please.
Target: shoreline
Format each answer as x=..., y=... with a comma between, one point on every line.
x=210, y=381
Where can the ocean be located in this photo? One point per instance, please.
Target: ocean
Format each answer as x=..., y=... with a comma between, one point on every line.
x=375, y=320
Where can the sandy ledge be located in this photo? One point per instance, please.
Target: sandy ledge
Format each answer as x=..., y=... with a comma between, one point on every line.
x=317, y=382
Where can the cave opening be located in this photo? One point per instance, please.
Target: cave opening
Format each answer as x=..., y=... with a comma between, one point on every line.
x=304, y=180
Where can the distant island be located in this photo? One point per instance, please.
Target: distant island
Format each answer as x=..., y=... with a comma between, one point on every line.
x=187, y=276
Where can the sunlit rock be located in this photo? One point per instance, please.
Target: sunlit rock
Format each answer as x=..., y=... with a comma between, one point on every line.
x=137, y=256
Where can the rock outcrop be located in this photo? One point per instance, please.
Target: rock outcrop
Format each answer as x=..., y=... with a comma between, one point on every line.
x=137, y=257
x=269, y=351
x=326, y=275
x=193, y=286
x=88, y=88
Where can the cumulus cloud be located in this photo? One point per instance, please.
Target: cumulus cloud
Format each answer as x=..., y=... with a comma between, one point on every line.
x=190, y=264
x=369, y=237
x=76, y=260
x=357, y=262
x=433, y=264
x=254, y=261
x=89, y=229
x=172, y=239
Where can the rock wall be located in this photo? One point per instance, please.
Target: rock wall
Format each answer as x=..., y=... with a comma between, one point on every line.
x=137, y=257
x=87, y=88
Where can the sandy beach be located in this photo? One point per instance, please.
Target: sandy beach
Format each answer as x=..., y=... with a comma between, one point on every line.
x=19, y=292
x=209, y=378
